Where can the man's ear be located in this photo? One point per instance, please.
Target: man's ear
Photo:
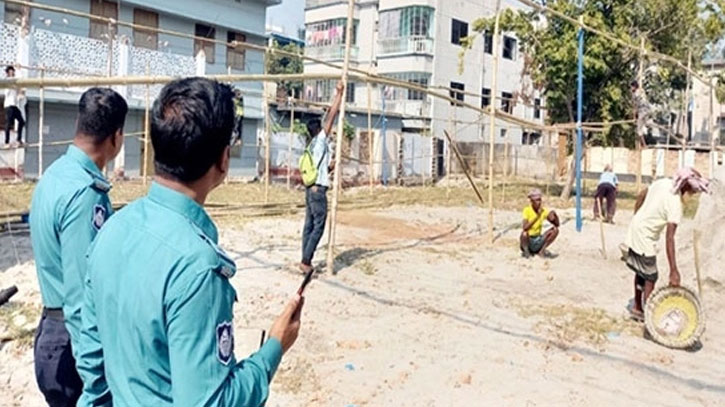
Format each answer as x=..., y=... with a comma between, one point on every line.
x=224, y=160
x=117, y=138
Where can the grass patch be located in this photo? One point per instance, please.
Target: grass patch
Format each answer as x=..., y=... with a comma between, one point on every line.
x=567, y=324
x=19, y=321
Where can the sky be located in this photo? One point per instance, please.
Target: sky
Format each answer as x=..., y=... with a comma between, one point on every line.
x=290, y=15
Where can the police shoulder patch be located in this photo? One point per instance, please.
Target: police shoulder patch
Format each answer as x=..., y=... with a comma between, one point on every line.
x=224, y=342
x=99, y=216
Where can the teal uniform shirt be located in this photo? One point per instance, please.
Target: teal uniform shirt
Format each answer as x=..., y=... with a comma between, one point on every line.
x=157, y=316
x=69, y=206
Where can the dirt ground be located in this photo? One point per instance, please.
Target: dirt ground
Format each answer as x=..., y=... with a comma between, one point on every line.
x=423, y=312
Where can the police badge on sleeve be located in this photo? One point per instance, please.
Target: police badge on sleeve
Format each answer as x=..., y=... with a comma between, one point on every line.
x=224, y=342
x=99, y=216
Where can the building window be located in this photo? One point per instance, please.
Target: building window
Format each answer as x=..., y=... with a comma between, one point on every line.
x=485, y=97
x=537, y=108
x=415, y=21
x=14, y=13
x=419, y=78
x=488, y=42
x=204, y=31
x=102, y=8
x=329, y=32
x=145, y=38
x=235, y=55
x=509, y=48
x=503, y=133
x=507, y=102
x=459, y=29
x=457, y=95
x=350, y=94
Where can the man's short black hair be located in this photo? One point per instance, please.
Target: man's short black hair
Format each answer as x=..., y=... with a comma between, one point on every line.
x=314, y=126
x=191, y=125
x=634, y=84
x=9, y=68
x=101, y=113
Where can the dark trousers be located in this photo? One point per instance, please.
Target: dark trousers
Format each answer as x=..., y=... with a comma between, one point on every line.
x=609, y=192
x=12, y=114
x=315, y=217
x=55, y=367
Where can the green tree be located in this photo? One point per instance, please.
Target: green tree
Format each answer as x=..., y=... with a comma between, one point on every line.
x=278, y=63
x=549, y=46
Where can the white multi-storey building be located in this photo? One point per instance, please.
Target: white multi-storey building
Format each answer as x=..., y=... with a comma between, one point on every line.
x=419, y=41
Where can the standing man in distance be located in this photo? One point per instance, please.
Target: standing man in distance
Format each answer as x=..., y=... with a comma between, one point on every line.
x=657, y=208
x=157, y=316
x=316, y=195
x=12, y=112
x=69, y=206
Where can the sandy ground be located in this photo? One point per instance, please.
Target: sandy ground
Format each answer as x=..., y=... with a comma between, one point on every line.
x=423, y=313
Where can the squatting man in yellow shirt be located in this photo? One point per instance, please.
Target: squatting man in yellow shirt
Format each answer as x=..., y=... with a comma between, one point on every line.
x=658, y=206
x=533, y=241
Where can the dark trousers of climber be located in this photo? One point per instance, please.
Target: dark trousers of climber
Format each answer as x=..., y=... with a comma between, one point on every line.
x=609, y=192
x=12, y=113
x=315, y=217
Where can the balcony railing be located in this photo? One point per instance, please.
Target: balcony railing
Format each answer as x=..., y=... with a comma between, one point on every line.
x=65, y=55
x=405, y=45
x=320, y=3
x=332, y=52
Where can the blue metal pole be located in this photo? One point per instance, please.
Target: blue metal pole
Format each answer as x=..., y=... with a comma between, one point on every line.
x=578, y=163
x=384, y=174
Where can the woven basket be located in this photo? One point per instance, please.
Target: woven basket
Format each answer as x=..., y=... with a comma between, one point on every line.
x=674, y=317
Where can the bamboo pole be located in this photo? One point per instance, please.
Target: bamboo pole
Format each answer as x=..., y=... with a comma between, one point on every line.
x=266, y=133
x=370, y=136
x=337, y=174
x=505, y=169
x=686, y=111
x=712, y=128
x=464, y=167
x=548, y=162
x=696, y=250
x=289, y=143
x=248, y=45
x=147, y=128
x=492, y=116
x=41, y=123
x=640, y=137
x=601, y=227
x=449, y=174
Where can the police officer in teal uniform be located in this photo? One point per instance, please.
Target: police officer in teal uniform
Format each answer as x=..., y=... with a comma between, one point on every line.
x=157, y=316
x=69, y=206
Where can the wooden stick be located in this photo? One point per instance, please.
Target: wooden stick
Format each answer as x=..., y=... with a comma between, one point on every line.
x=337, y=174
x=601, y=227
x=289, y=143
x=266, y=133
x=640, y=80
x=147, y=128
x=464, y=167
x=41, y=123
x=696, y=250
x=370, y=136
x=492, y=116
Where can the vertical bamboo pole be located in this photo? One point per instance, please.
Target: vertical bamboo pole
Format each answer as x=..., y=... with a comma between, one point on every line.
x=492, y=123
x=290, y=141
x=266, y=133
x=41, y=120
x=712, y=125
x=146, y=128
x=337, y=174
x=686, y=109
x=640, y=81
x=548, y=151
x=451, y=122
x=370, y=136
x=505, y=168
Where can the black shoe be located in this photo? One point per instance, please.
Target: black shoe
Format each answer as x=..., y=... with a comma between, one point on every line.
x=7, y=293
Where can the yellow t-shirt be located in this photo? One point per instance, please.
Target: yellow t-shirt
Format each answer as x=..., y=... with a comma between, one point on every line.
x=659, y=208
x=530, y=214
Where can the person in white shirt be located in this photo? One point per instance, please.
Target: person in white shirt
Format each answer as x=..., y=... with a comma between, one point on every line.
x=657, y=207
x=12, y=112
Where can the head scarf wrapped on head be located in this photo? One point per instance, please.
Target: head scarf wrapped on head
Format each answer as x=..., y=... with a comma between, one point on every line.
x=534, y=193
x=690, y=176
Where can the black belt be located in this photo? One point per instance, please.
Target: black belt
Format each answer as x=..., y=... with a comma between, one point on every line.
x=54, y=313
